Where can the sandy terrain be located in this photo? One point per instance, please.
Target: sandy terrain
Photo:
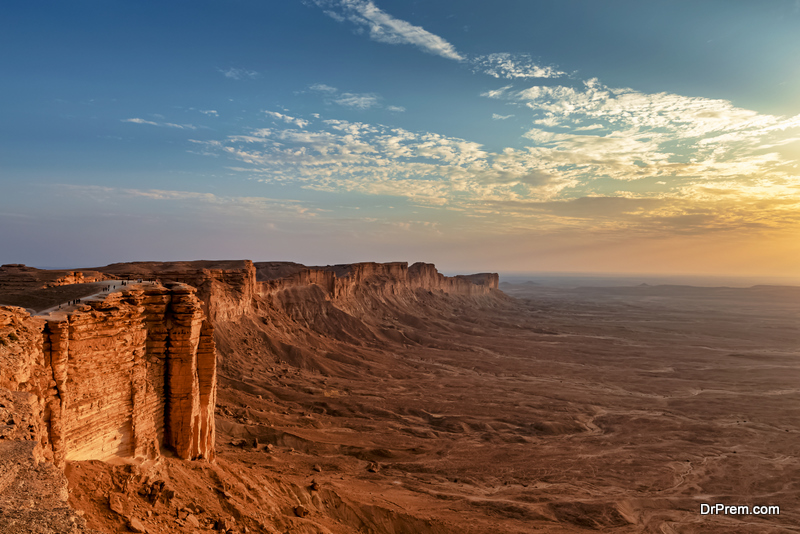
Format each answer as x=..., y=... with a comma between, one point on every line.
x=561, y=410
x=619, y=410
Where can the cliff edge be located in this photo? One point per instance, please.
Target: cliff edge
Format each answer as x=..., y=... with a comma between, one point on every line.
x=131, y=373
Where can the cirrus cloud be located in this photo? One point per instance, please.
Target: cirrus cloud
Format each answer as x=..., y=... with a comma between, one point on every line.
x=384, y=28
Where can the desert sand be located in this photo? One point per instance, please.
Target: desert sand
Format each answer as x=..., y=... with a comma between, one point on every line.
x=535, y=409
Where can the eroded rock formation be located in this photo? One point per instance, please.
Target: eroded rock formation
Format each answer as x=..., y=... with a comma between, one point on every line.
x=130, y=374
x=118, y=377
x=17, y=277
x=225, y=288
x=343, y=281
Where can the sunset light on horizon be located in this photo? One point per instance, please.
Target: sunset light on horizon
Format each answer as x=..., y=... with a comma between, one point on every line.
x=572, y=136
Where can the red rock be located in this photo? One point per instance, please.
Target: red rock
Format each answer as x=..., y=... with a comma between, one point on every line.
x=192, y=521
x=300, y=511
x=116, y=502
x=135, y=525
x=103, y=372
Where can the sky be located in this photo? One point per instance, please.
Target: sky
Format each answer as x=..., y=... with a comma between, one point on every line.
x=569, y=136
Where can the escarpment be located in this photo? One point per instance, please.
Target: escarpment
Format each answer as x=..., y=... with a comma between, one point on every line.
x=120, y=376
x=20, y=278
x=132, y=373
x=225, y=288
x=129, y=373
x=343, y=281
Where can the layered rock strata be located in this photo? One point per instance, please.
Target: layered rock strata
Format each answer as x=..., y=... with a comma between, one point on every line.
x=343, y=281
x=17, y=278
x=26, y=476
x=225, y=288
x=118, y=377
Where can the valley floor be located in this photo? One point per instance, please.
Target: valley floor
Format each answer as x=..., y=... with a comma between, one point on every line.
x=610, y=409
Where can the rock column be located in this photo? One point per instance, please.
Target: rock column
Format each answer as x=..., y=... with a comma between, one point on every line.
x=187, y=431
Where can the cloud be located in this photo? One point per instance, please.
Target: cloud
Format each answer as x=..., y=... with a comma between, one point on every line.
x=239, y=74
x=231, y=205
x=589, y=130
x=497, y=93
x=302, y=123
x=356, y=100
x=584, y=137
x=323, y=88
x=162, y=124
x=334, y=15
x=384, y=28
x=360, y=101
x=426, y=167
x=210, y=112
x=497, y=117
x=141, y=121
x=512, y=66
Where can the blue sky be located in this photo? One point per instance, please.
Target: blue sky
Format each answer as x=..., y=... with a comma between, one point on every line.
x=579, y=136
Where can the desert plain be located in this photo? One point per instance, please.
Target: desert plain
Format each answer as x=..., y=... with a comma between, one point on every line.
x=532, y=408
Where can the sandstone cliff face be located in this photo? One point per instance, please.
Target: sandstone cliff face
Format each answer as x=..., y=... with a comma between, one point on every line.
x=344, y=281
x=225, y=288
x=118, y=377
x=24, y=377
x=25, y=394
x=136, y=371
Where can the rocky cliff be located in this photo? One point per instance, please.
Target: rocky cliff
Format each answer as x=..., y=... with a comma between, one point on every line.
x=130, y=373
x=119, y=376
x=225, y=288
x=20, y=278
x=343, y=281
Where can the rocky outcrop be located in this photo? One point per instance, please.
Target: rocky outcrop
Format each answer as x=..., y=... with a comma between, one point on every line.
x=76, y=277
x=33, y=493
x=118, y=377
x=17, y=278
x=225, y=288
x=24, y=376
x=344, y=281
x=26, y=476
x=191, y=378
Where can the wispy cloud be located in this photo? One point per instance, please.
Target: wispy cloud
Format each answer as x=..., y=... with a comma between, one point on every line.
x=234, y=205
x=585, y=134
x=209, y=112
x=323, y=88
x=512, y=66
x=141, y=121
x=497, y=117
x=497, y=93
x=235, y=73
x=356, y=100
x=162, y=124
x=302, y=123
x=384, y=28
x=360, y=101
